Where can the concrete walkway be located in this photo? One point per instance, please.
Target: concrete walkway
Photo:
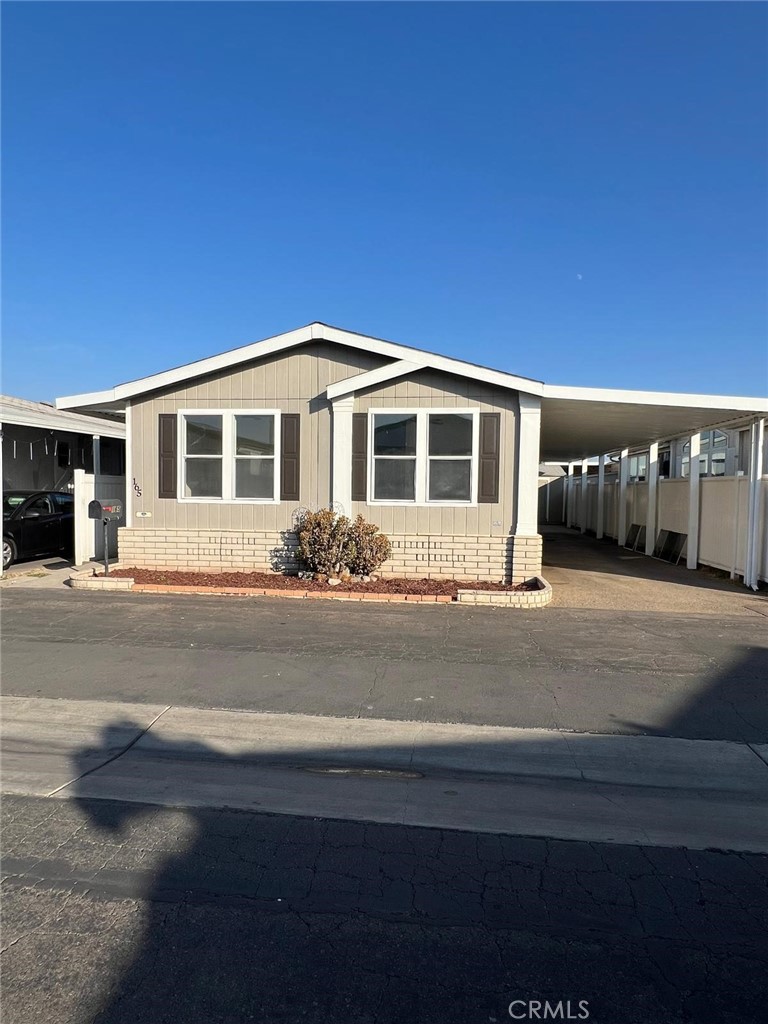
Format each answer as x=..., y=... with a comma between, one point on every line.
x=624, y=789
x=589, y=573
x=49, y=573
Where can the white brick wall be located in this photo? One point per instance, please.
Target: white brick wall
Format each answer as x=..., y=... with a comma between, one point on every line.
x=510, y=559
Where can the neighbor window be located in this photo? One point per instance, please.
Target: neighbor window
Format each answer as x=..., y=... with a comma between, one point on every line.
x=229, y=456
x=424, y=456
x=714, y=444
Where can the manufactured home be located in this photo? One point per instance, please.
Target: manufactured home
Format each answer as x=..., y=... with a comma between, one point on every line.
x=442, y=454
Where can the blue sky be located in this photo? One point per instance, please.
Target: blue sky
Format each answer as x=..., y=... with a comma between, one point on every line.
x=571, y=192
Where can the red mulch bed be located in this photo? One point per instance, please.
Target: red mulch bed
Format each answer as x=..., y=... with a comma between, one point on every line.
x=276, y=581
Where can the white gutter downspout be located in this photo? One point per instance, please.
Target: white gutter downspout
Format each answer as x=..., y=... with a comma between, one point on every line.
x=752, y=560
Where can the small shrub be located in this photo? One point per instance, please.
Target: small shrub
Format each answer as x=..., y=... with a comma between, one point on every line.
x=331, y=545
x=322, y=540
x=366, y=548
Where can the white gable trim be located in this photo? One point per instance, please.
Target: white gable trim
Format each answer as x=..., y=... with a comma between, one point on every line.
x=366, y=380
x=281, y=342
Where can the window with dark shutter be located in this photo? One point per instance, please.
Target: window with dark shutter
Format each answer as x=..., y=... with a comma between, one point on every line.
x=290, y=452
x=360, y=456
x=490, y=445
x=167, y=455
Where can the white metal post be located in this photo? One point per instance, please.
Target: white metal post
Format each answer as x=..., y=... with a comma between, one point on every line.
x=600, y=497
x=96, y=456
x=694, y=503
x=623, y=480
x=564, y=485
x=650, y=514
x=569, y=491
x=753, y=553
x=341, y=487
x=583, y=501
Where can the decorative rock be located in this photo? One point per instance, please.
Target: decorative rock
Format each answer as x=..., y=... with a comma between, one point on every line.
x=366, y=579
x=333, y=582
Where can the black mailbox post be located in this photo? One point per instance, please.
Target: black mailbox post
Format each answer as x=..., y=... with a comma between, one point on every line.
x=107, y=511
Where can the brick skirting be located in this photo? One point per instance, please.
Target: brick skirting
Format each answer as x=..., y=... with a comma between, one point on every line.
x=511, y=559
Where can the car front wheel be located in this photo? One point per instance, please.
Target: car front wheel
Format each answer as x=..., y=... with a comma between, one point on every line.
x=9, y=553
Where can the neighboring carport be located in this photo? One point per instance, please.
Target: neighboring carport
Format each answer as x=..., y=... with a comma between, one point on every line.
x=678, y=513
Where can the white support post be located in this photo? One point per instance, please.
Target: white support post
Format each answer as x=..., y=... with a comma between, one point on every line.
x=692, y=558
x=96, y=456
x=583, y=500
x=528, y=466
x=564, y=485
x=600, y=497
x=753, y=553
x=341, y=486
x=650, y=514
x=623, y=480
x=569, y=492
x=128, y=466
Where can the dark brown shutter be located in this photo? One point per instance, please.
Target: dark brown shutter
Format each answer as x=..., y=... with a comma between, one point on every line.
x=167, y=455
x=290, y=456
x=490, y=446
x=359, y=456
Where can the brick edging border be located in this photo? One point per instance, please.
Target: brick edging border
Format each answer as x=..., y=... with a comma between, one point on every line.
x=499, y=598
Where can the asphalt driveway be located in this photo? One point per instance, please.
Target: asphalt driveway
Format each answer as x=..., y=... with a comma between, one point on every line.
x=588, y=670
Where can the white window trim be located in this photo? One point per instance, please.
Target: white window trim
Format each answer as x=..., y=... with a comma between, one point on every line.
x=422, y=456
x=227, y=456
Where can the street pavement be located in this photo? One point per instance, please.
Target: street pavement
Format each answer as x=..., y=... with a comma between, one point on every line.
x=597, y=671
x=130, y=911
x=120, y=913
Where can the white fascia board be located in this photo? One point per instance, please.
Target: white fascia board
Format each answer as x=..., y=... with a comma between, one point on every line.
x=428, y=359
x=213, y=364
x=281, y=342
x=92, y=398
x=77, y=425
x=350, y=385
x=717, y=403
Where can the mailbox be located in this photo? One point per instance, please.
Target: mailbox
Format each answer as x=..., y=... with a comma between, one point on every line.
x=106, y=510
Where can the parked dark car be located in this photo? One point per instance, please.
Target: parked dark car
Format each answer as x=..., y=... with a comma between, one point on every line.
x=37, y=523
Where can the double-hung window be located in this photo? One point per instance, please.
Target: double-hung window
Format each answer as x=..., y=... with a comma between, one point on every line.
x=424, y=457
x=229, y=455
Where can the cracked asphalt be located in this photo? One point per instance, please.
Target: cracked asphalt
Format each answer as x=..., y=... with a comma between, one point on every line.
x=118, y=912
x=587, y=670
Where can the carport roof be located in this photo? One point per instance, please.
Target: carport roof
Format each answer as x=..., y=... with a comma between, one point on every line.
x=577, y=423
x=22, y=412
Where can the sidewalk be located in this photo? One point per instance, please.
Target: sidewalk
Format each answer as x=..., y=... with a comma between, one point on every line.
x=626, y=789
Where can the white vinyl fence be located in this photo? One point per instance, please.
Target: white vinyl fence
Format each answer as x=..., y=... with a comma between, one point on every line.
x=89, y=533
x=722, y=515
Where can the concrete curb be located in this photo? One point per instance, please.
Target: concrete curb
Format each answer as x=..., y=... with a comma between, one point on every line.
x=659, y=791
x=87, y=580
x=537, y=598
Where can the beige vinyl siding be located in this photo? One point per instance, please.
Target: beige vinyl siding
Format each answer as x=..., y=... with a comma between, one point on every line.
x=429, y=389
x=293, y=381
